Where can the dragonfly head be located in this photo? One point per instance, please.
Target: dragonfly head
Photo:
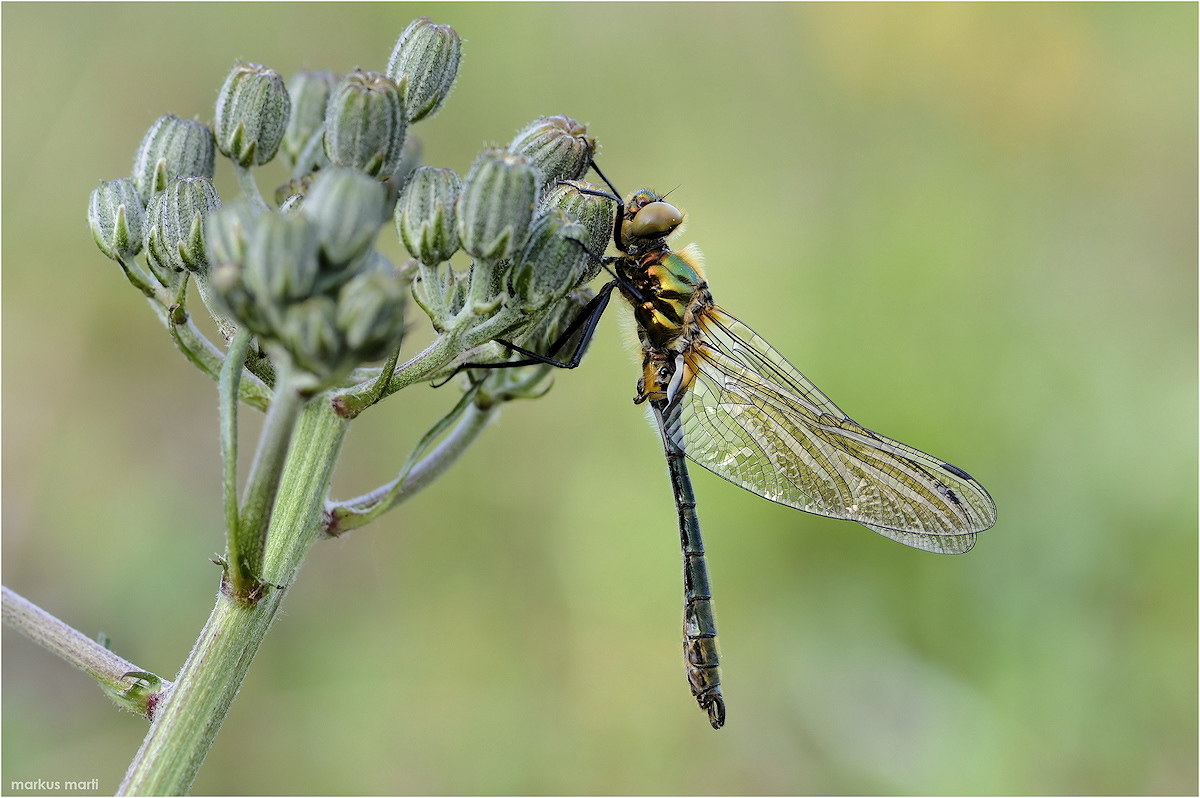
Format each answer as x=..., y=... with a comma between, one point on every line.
x=648, y=217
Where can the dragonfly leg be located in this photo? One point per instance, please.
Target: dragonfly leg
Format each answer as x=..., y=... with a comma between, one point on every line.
x=618, y=240
x=588, y=319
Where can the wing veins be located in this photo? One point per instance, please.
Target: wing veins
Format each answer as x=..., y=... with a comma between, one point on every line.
x=755, y=420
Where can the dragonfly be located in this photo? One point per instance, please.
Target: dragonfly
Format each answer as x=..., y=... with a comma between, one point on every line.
x=725, y=399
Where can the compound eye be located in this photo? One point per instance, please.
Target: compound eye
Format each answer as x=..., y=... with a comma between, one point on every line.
x=655, y=220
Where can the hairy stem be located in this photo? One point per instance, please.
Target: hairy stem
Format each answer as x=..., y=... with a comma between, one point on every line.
x=188, y=720
x=259, y=499
x=227, y=388
x=416, y=474
x=118, y=677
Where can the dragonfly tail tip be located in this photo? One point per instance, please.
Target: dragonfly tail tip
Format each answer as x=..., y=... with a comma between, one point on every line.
x=716, y=711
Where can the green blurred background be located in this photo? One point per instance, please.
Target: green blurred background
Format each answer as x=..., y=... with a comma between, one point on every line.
x=974, y=226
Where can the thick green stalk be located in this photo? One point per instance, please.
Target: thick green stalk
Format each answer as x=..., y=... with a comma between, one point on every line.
x=188, y=720
x=266, y=472
x=227, y=388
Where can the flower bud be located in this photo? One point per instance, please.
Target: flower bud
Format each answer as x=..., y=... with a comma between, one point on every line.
x=252, y=114
x=281, y=261
x=175, y=226
x=558, y=145
x=228, y=229
x=309, y=332
x=552, y=262
x=370, y=313
x=116, y=215
x=365, y=123
x=309, y=93
x=556, y=321
x=496, y=204
x=425, y=61
x=593, y=212
x=425, y=215
x=347, y=208
x=312, y=158
x=172, y=148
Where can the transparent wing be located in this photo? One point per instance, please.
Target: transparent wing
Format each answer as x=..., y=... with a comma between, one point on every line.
x=752, y=418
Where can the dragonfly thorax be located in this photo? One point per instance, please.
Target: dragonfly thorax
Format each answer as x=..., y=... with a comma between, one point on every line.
x=666, y=292
x=668, y=295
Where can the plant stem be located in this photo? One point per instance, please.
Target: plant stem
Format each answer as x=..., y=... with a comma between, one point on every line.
x=416, y=474
x=208, y=358
x=262, y=485
x=118, y=677
x=245, y=178
x=228, y=385
x=189, y=719
x=449, y=345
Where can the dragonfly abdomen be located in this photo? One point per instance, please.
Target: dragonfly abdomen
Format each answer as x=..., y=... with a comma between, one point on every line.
x=699, y=622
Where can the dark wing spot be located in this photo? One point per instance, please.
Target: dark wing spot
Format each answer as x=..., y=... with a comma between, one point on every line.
x=956, y=471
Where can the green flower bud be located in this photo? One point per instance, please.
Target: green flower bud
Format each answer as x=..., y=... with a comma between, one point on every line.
x=425, y=215
x=282, y=261
x=365, y=123
x=496, y=204
x=558, y=145
x=425, y=61
x=309, y=332
x=166, y=274
x=175, y=226
x=116, y=215
x=252, y=114
x=560, y=316
x=370, y=313
x=309, y=92
x=172, y=148
x=312, y=158
x=228, y=285
x=228, y=229
x=553, y=261
x=347, y=208
x=594, y=213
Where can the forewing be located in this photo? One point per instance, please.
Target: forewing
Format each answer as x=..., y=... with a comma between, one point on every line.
x=754, y=419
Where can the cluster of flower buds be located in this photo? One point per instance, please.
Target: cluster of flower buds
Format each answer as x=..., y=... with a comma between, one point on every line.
x=310, y=282
x=532, y=237
x=161, y=207
x=306, y=279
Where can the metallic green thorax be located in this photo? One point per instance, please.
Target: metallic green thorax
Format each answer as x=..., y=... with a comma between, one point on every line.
x=667, y=290
x=667, y=285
